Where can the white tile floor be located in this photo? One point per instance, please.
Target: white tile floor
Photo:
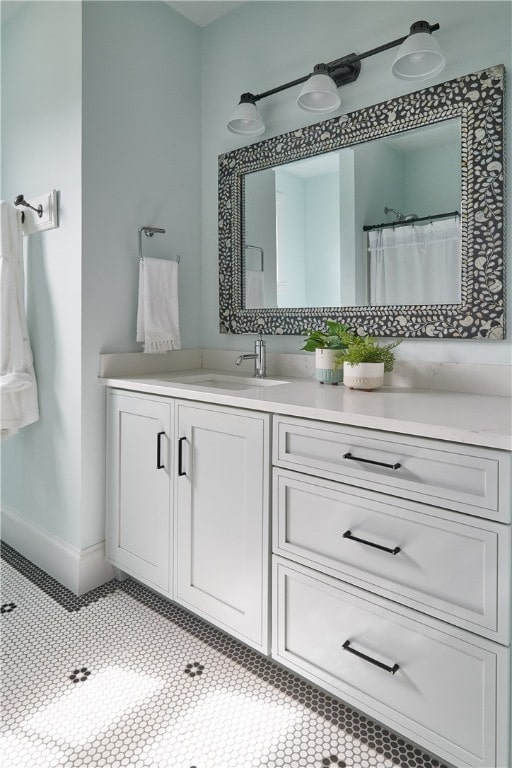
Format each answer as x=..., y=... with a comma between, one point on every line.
x=122, y=677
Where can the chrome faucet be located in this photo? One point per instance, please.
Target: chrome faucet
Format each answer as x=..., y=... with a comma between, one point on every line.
x=259, y=356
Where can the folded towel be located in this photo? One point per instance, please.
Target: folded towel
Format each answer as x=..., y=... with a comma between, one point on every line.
x=18, y=387
x=158, y=316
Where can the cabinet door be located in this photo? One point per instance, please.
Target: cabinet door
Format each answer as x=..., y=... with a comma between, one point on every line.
x=222, y=518
x=139, y=487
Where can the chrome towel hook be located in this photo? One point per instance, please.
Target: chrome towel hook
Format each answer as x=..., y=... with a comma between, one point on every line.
x=20, y=200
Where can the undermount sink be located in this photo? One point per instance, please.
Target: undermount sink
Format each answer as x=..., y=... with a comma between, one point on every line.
x=222, y=381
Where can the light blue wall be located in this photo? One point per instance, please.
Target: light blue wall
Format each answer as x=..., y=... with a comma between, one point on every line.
x=291, y=238
x=422, y=171
x=260, y=231
x=264, y=44
x=119, y=138
x=350, y=245
x=141, y=166
x=41, y=150
x=323, y=240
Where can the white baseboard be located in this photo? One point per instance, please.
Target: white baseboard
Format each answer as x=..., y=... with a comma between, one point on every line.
x=93, y=569
x=78, y=570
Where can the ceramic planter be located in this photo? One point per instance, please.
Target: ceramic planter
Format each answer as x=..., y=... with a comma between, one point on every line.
x=365, y=376
x=326, y=373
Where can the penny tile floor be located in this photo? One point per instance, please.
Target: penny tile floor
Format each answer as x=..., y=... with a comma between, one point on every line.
x=123, y=677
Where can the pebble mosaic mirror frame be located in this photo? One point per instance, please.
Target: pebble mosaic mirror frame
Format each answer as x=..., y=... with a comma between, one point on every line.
x=477, y=99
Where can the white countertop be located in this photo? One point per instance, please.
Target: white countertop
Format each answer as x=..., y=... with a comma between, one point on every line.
x=473, y=419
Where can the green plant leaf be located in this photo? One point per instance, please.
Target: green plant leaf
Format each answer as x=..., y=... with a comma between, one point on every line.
x=367, y=349
x=332, y=338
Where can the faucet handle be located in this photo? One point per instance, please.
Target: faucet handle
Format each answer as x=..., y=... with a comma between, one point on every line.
x=260, y=357
x=259, y=342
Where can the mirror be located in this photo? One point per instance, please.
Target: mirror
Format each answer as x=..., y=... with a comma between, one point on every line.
x=309, y=218
x=284, y=268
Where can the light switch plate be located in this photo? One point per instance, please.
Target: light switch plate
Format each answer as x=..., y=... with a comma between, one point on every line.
x=49, y=219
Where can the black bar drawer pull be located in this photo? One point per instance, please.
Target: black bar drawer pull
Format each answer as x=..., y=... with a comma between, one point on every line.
x=391, y=550
x=371, y=461
x=181, y=472
x=392, y=670
x=159, y=464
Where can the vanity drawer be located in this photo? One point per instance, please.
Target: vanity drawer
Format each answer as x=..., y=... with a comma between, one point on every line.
x=442, y=564
x=467, y=479
x=445, y=687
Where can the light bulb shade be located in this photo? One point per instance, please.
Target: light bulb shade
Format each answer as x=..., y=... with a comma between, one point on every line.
x=246, y=120
x=319, y=94
x=418, y=58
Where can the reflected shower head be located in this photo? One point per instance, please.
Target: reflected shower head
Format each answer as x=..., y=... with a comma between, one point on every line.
x=150, y=231
x=399, y=216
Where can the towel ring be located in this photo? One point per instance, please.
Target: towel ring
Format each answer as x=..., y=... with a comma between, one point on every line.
x=149, y=232
x=262, y=256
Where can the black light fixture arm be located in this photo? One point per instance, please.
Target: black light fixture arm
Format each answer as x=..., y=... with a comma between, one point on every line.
x=345, y=69
x=352, y=58
x=258, y=96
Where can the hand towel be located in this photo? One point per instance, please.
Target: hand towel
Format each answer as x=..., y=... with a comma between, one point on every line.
x=254, y=290
x=18, y=387
x=158, y=315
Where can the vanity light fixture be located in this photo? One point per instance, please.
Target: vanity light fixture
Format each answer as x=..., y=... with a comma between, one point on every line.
x=418, y=58
x=319, y=93
x=246, y=119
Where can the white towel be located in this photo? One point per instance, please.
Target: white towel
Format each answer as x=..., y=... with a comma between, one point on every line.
x=158, y=316
x=18, y=387
x=254, y=290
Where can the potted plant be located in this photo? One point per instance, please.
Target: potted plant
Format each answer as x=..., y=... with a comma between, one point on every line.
x=365, y=360
x=326, y=345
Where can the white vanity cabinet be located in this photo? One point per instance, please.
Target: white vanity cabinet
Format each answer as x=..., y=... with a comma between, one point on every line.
x=392, y=580
x=391, y=553
x=188, y=495
x=139, y=483
x=222, y=525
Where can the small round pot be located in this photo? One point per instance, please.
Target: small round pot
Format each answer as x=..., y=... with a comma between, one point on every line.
x=325, y=372
x=367, y=376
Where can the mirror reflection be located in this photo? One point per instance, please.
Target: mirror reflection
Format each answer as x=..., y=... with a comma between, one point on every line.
x=369, y=224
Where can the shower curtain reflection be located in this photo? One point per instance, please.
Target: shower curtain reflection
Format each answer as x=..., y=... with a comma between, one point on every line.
x=416, y=264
